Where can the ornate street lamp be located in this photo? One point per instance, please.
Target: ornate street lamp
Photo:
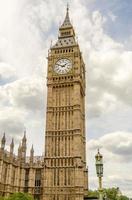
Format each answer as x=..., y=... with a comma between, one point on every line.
x=99, y=171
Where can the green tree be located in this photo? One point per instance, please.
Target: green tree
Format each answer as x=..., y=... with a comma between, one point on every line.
x=111, y=193
x=20, y=196
x=2, y=198
x=122, y=197
x=92, y=193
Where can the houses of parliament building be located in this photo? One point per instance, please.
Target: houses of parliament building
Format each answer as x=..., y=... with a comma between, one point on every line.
x=62, y=173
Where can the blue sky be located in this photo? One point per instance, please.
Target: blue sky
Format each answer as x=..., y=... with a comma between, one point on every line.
x=105, y=37
x=121, y=28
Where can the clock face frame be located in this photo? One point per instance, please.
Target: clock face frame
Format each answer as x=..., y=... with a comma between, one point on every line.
x=63, y=66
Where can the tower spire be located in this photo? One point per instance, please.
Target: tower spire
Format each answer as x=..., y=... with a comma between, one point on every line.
x=67, y=7
x=3, y=141
x=67, y=22
x=24, y=139
x=31, y=154
x=12, y=146
x=66, y=36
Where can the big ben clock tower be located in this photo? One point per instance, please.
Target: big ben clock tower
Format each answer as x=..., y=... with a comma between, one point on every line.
x=66, y=176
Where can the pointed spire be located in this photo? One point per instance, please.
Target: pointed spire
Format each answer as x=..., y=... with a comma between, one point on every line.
x=4, y=138
x=12, y=146
x=66, y=36
x=19, y=150
x=31, y=154
x=67, y=7
x=24, y=134
x=32, y=149
x=67, y=22
x=19, y=147
x=24, y=147
x=12, y=142
x=3, y=141
x=24, y=139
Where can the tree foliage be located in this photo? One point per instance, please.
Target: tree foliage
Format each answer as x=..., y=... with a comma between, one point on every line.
x=112, y=194
x=109, y=194
x=18, y=196
x=92, y=193
x=122, y=197
x=2, y=198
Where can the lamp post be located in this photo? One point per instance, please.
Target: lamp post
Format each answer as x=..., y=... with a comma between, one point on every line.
x=99, y=171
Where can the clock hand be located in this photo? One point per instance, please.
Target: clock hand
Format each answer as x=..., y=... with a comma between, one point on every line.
x=58, y=64
x=63, y=65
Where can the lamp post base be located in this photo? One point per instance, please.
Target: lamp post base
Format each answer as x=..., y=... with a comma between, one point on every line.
x=100, y=194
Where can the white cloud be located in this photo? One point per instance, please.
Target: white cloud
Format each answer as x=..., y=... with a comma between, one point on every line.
x=7, y=73
x=112, y=16
x=27, y=93
x=118, y=143
x=109, y=74
x=12, y=122
x=22, y=100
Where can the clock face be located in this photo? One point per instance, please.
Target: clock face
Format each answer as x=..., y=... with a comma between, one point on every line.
x=63, y=66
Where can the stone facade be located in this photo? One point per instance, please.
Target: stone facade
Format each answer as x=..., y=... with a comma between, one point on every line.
x=65, y=156
x=62, y=173
x=20, y=173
